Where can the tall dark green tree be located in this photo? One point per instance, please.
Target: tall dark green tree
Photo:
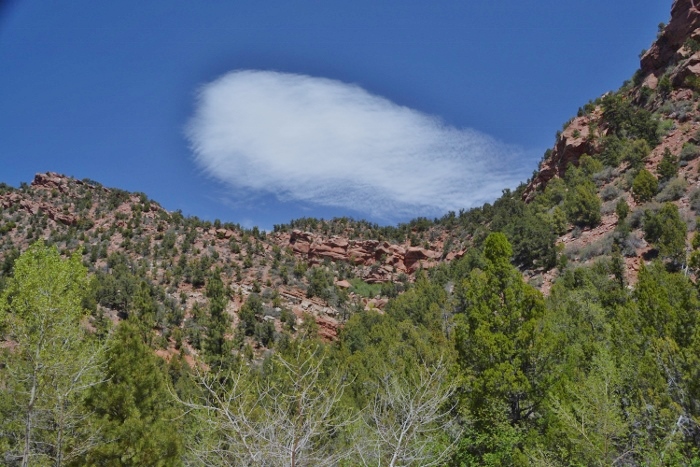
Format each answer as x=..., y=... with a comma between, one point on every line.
x=582, y=205
x=216, y=345
x=668, y=167
x=139, y=420
x=497, y=341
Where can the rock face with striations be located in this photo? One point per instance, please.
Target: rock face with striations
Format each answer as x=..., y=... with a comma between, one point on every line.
x=668, y=48
x=575, y=141
x=384, y=257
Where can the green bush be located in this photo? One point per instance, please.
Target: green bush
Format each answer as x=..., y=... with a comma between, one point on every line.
x=604, y=176
x=666, y=230
x=622, y=209
x=695, y=200
x=692, y=44
x=666, y=126
x=364, y=289
x=637, y=152
x=582, y=205
x=668, y=167
x=644, y=186
x=609, y=192
x=665, y=86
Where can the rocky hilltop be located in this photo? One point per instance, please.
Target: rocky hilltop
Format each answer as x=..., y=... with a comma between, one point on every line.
x=302, y=276
x=670, y=46
x=584, y=204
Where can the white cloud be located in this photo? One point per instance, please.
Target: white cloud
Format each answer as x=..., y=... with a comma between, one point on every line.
x=324, y=142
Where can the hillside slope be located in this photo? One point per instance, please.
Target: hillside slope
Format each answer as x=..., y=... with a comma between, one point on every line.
x=329, y=268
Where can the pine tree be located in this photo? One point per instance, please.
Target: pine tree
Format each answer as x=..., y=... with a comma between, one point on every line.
x=667, y=231
x=668, y=167
x=217, y=347
x=496, y=339
x=139, y=420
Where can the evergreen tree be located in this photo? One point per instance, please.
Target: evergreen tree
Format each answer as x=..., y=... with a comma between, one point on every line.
x=668, y=167
x=139, y=421
x=217, y=347
x=591, y=417
x=582, y=205
x=667, y=231
x=644, y=186
x=622, y=209
x=496, y=337
x=251, y=309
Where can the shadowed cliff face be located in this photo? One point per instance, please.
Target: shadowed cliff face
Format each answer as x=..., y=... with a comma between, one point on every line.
x=684, y=24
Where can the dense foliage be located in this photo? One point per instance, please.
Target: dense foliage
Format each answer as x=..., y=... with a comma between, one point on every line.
x=491, y=373
x=134, y=336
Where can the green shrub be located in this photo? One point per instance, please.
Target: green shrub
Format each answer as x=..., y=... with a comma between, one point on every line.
x=644, y=186
x=558, y=221
x=604, y=176
x=613, y=150
x=695, y=200
x=622, y=209
x=692, y=44
x=637, y=152
x=666, y=126
x=667, y=231
x=582, y=205
x=364, y=289
x=596, y=249
x=665, y=87
x=668, y=167
x=609, y=192
x=589, y=165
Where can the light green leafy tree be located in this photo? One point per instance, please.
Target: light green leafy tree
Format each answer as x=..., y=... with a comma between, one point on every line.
x=51, y=362
x=591, y=415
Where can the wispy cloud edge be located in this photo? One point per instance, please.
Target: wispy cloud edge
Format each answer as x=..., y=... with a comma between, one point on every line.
x=324, y=142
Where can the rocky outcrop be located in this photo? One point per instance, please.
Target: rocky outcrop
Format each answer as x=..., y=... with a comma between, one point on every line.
x=35, y=207
x=684, y=24
x=52, y=180
x=327, y=328
x=688, y=67
x=669, y=49
x=575, y=141
x=384, y=258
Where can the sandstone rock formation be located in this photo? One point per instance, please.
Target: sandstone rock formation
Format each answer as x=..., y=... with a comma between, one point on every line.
x=576, y=140
x=388, y=259
x=684, y=24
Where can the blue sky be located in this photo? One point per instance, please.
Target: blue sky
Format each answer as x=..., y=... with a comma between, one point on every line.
x=258, y=112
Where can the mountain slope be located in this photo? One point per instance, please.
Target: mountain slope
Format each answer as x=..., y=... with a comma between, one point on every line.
x=328, y=269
